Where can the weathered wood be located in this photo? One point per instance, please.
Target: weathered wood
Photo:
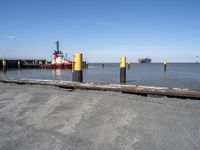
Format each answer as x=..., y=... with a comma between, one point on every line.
x=135, y=89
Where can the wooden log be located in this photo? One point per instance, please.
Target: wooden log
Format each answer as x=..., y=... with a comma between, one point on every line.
x=134, y=89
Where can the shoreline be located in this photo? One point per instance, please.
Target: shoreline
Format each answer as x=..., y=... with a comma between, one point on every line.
x=131, y=89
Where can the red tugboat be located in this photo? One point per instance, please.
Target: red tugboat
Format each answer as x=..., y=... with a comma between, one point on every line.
x=58, y=60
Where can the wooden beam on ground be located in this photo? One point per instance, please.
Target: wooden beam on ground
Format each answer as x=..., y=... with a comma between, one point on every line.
x=134, y=89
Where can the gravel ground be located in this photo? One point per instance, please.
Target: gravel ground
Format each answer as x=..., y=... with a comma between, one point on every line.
x=51, y=118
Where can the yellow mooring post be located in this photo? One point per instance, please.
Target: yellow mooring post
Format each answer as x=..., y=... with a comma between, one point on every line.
x=19, y=64
x=4, y=66
x=78, y=73
x=87, y=64
x=123, y=70
x=165, y=65
x=129, y=64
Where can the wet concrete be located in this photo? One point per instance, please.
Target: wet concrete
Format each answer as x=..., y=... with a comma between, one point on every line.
x=44, y=117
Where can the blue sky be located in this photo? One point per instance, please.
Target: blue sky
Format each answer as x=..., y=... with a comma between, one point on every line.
x=103, y=30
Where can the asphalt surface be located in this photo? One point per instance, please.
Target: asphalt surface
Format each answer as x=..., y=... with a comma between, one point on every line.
x=51, y=118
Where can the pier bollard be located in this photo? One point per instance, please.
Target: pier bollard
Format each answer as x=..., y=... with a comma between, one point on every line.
x=40, y=63
x=4, y=66
x=19, y=64
x=84, y=65
x=165, y=65
x=103, y=65
x=129, y=64
x=78, y=73
x=46, y=64
x=123, y=70
x=87, y=64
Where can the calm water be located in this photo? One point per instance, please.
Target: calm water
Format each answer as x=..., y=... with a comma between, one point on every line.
x=182, y=75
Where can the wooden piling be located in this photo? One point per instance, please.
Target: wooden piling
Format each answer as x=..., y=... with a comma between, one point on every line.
x=129, y=64
x=46, y=65
x=87, y=64
x=103, y=65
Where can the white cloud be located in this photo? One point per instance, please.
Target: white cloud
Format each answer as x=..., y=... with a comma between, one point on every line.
x=11, y=37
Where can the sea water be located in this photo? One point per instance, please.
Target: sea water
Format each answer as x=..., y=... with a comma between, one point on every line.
x=178, y=75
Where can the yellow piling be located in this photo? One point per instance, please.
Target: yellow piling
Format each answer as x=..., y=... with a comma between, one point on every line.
x=165, y=65
x=78, y=73
x=4, y=66
x=123, y=69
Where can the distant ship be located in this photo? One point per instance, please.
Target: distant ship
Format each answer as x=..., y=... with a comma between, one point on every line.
x=144, y=60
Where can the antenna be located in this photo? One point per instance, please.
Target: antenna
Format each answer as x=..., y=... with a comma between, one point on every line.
x=57, y=46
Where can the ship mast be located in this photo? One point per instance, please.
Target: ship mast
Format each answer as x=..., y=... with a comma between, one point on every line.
x=57, y=46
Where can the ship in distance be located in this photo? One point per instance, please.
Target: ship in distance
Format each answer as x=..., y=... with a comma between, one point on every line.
x=144, y=60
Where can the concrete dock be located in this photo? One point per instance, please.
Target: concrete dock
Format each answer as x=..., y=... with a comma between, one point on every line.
x=36, y=117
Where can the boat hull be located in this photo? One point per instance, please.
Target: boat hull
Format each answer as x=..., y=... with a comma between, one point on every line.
x=61, y=66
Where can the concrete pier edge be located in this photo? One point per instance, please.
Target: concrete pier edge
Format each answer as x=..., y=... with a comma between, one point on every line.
x=131, y=89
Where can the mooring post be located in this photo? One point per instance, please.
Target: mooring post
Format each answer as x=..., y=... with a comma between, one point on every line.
x=84, y=65
x=4, y=66
x=123, y=70
x=87, y=64
x=19, y=64
x=129, y=64
x=78, y=73
x=103, y=64
x=40, y=64
x=46, y=64
x=165, y=65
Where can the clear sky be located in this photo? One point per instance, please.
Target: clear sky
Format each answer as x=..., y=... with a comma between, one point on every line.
x=102, y=29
